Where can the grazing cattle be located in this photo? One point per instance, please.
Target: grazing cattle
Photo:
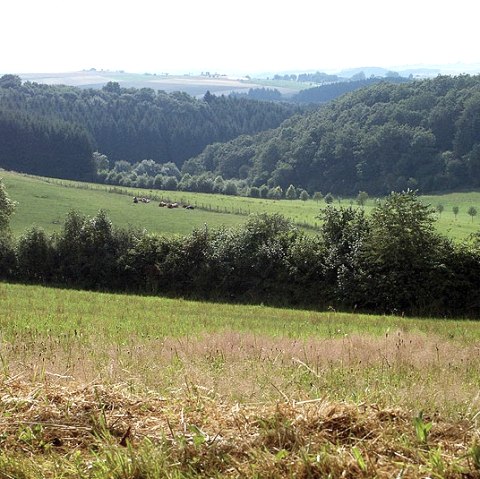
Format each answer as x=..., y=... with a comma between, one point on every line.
x=135, y=199
x=162, y=204
x=189, y=207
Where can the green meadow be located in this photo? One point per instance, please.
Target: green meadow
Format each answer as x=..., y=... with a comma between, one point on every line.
x=45, y=202
x=100, y=386
x=39, y=310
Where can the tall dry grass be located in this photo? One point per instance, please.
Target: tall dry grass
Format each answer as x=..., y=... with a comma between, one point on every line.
x=403, y=369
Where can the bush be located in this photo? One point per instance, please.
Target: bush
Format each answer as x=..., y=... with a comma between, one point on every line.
x=7, y=258
x=275, y=193
x=254, y=192
x=328, y=198
x=158, y=182
x=7, y=207
x=343, y=232
x=304, y=196
x=230, y=188
x=264, y=190
x=251, y=260
x=291, y=193
x=7, y=253
x=362, y=198
x=170, y=183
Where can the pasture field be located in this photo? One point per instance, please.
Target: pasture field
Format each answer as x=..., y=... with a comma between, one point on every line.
x=46, y=201
x=99, y=385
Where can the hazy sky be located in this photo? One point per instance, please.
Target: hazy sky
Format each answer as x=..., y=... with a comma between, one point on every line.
x=247, y=36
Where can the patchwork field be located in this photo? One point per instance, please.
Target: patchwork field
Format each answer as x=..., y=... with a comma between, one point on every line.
x=45, y=202
x=195, y=85
x=101, y=385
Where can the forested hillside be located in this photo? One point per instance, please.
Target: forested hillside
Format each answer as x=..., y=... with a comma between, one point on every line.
x=422, y=135
x=44, y=146
x=53, y=130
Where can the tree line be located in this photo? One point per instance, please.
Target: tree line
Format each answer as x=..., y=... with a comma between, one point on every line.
x=392, y=261
x=386, y=137
x=45, y=147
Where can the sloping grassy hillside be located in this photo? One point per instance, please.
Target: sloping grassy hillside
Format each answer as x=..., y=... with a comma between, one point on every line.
x=45, y=202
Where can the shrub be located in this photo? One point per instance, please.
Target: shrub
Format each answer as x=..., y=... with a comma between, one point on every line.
x=7, y=253
x=254, y=192
x=328, y=198
x=291, y=193
x=230, y=188
x=7, y=207
x=304, y=196
x=362, y=198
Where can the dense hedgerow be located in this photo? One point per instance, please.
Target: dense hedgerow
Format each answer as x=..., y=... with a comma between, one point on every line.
x=391, y=261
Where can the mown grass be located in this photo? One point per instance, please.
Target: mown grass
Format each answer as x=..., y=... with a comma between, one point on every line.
x=96, y=432
x=100, y=385
x=45, y=202
x=289, y=84
x=119, y=316
x=462, y=225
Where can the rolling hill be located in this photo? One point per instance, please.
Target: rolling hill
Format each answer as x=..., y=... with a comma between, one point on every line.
x=194, y=85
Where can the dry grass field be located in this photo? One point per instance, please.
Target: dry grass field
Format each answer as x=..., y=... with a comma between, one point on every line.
x=94, y=431
x=108, y=386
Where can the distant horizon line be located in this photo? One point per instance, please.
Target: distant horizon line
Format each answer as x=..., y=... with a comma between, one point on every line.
x=450, y=67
